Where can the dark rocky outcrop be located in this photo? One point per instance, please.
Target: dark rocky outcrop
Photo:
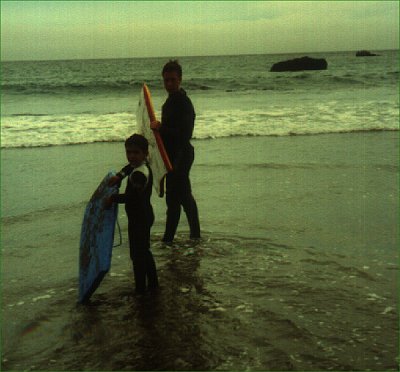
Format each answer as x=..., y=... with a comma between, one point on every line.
x=365, y=53
x=300, y=64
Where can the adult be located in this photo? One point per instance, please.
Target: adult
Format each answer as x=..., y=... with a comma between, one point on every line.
x=176, y=129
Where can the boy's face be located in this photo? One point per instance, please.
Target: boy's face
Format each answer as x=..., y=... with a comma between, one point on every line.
x=135, y=155
x=172, y=81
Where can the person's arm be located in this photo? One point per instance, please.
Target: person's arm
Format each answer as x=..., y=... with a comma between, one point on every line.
x=117, y=179
x=114, y=198
x=187, y=118
x=138, y=181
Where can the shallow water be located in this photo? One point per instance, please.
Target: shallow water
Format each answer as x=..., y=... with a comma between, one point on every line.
x=297, y=268
x=226, y=303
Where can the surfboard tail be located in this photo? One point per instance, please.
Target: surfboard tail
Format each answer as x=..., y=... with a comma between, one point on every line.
x=86, y=293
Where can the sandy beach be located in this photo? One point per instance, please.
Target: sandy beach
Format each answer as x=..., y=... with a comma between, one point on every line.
x=297, y=268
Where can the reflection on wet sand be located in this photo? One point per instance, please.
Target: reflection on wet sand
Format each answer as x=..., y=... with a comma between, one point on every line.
x=156, y=331
x=225, y=303
x=171, y=326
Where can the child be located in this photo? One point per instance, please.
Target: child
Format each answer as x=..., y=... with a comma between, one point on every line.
x=139, y=211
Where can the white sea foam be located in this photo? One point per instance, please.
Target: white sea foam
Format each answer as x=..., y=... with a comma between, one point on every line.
x=30, y=131
x=276, y=120
x=44, y=297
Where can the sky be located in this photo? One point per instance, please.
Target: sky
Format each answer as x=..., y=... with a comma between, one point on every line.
x=49, y=30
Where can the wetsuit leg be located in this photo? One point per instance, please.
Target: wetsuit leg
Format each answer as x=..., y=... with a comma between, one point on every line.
x=173, y=208
x=143, y=262
x=179, y=193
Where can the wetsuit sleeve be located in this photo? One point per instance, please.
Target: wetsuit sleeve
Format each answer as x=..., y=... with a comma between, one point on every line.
x=125, y=171
x=118, y=198
x=138, y=181
x=187, y=118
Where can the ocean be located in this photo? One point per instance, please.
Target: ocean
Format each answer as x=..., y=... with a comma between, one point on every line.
x=69, y=102
x=296, y=179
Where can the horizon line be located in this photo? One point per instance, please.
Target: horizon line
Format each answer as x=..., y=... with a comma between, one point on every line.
x=188, y=56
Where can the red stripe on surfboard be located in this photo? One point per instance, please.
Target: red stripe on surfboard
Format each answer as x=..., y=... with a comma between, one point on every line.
x=157, y=136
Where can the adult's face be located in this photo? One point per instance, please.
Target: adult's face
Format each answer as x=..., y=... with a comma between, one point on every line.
x=172, y=81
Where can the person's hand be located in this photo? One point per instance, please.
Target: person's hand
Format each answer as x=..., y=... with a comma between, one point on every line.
x=108, y=202
x=114, y=180
x=155, y=125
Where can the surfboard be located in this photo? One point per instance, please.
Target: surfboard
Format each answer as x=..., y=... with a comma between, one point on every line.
x=158, y=157
x=97, y=239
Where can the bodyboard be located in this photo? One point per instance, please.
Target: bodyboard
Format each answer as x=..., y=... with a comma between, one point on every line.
x=97, y=239
x=158, y=157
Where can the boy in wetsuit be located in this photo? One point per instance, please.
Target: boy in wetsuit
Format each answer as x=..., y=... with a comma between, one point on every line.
x=176, y=129
x=139, y=211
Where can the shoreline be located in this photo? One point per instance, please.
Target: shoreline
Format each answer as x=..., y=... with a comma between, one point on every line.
x=287, y=174
x=194, y=140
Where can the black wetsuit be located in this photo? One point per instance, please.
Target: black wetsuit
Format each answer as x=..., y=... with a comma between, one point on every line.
x=177, y=121
x=140, y=219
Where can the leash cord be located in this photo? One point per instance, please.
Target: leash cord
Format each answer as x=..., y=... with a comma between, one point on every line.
x=120, y=235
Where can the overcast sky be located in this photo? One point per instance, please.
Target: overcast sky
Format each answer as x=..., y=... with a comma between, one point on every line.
x=33, y=30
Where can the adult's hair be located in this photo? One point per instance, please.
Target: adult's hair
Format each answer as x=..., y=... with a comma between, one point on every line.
x=172, y=66
x=139, y=141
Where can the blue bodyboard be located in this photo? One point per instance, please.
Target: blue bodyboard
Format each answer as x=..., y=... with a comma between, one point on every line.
x=97, y=239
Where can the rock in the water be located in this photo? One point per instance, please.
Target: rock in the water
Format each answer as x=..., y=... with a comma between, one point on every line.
x=365, y=53
x=300, y=64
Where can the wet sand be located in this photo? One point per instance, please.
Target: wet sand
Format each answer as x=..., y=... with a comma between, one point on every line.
x=297, y=268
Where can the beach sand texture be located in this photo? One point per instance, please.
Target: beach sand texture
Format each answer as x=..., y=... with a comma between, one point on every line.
x=297, y=268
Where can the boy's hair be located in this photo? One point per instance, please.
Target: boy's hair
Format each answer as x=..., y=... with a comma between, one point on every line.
x=139, y=141
x=172, y=66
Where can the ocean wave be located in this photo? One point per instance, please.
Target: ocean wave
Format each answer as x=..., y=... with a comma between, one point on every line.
x=300, y=133
x=286, y=81
x=201, y=74
x=28, y=114
x=222, y=121
x=68, y=142
x=91, y=87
